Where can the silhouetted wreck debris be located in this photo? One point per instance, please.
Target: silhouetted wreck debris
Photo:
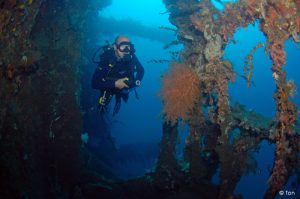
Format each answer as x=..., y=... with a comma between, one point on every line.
x=192, y=178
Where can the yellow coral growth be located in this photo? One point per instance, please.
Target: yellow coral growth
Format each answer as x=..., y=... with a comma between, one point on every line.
x=180, y=91
x=249, y=63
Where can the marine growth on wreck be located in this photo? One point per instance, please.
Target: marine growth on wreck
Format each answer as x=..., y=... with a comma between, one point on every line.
x=43, y=104
x=208, y=31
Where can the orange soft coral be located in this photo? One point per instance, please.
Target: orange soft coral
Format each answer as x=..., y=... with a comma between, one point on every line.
x=180, y=91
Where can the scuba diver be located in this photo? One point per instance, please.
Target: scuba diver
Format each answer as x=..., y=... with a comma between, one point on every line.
x=118, y=73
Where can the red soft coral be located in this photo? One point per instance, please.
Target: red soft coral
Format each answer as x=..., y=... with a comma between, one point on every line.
x=180, y=91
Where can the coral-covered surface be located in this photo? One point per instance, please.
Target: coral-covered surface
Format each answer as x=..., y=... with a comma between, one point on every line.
x=208, y=31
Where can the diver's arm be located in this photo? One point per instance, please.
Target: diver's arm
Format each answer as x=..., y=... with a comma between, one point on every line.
x=98, y=81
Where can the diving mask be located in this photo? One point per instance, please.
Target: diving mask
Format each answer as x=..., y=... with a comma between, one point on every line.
x=126, y=47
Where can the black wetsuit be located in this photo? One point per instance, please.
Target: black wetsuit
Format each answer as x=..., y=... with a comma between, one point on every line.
x=111, y=69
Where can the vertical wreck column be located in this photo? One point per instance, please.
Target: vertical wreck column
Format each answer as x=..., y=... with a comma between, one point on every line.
x=192, y=151
x=286, y=14
x=40, y=122
x=286, y=116
x=167, y=166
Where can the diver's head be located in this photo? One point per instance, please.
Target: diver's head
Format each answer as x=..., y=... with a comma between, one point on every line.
x=124, y=49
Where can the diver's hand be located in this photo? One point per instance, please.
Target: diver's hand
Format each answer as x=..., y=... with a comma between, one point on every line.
x=120, y=83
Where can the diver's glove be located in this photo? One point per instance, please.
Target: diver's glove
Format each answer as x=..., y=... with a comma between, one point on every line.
x=132, y=84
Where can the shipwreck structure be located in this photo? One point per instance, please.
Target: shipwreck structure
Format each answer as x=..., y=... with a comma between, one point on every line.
x=205, y=31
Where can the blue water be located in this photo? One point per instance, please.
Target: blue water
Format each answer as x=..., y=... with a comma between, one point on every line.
x=141, y=119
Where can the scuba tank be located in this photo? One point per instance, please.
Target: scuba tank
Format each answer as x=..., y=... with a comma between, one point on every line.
x=105, y=52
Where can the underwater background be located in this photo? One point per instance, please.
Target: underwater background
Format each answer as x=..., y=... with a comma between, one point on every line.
x=55, y=143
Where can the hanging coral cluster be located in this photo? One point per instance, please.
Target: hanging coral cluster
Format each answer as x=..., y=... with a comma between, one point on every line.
x=249, y=63
x=180, y=91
